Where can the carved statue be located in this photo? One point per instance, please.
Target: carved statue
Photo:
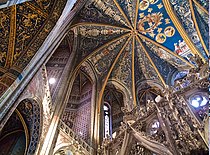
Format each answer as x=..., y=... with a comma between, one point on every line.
x=197, y=59
x=167, y=92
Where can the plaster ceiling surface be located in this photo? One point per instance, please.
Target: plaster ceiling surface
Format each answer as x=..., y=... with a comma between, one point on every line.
x=136, y=40
x=23, y=29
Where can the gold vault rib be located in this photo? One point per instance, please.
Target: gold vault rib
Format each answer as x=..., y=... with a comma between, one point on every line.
x=145, y=51
x=197, y=28
x=122, y=12
x=110, y=71
x=136, y=15
x=24, y=127
x=200, y=6
x=166, y=49
x=133, y=72
x=181, y=30
x=12, y=37
x=98, y=49
x=37, y=9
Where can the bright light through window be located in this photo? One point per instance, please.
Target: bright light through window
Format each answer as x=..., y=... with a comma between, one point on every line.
x=107, y=126
x=52, y=80
x=114, y=135
x=107, y=131
x=195, y=103
x=154, y=126
x=204, y=102
x=106, y=108
x=198, y=101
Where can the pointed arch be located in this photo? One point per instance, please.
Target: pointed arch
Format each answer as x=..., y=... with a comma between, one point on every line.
x=124, y=90
x=31, y=112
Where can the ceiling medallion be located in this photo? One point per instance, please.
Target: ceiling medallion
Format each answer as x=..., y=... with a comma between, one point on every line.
x=134, y=32
x=169, y=31
x=150, y=22
x=143, y=5
x=161, y=38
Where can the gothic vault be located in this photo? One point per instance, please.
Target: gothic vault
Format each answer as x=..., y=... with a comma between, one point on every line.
x=112, y=77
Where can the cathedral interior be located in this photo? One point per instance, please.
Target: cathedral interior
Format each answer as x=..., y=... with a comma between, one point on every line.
x=104, y=77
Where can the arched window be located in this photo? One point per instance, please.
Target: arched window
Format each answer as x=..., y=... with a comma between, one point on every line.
x=153, y=127
x=107, y=121
x=198, y=100
x=112, y=114
x=199, y=103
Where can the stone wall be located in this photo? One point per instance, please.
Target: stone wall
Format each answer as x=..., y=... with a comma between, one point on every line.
x=77, y=114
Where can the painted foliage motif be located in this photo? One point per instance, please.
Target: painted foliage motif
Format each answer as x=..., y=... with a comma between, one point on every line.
x=23, y=29
x=158, y=49
x=183, y=10
x=154, y=22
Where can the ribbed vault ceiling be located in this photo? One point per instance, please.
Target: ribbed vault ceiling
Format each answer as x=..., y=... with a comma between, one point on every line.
x=136, y=40
x=23, y=29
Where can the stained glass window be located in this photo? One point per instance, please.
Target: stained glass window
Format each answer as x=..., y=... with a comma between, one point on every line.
x=107, y=132
x=198, y=100
x=199, y=103
x=154, y=126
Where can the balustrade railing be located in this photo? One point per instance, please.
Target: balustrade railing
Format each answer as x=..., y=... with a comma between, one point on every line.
x=81, y=143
